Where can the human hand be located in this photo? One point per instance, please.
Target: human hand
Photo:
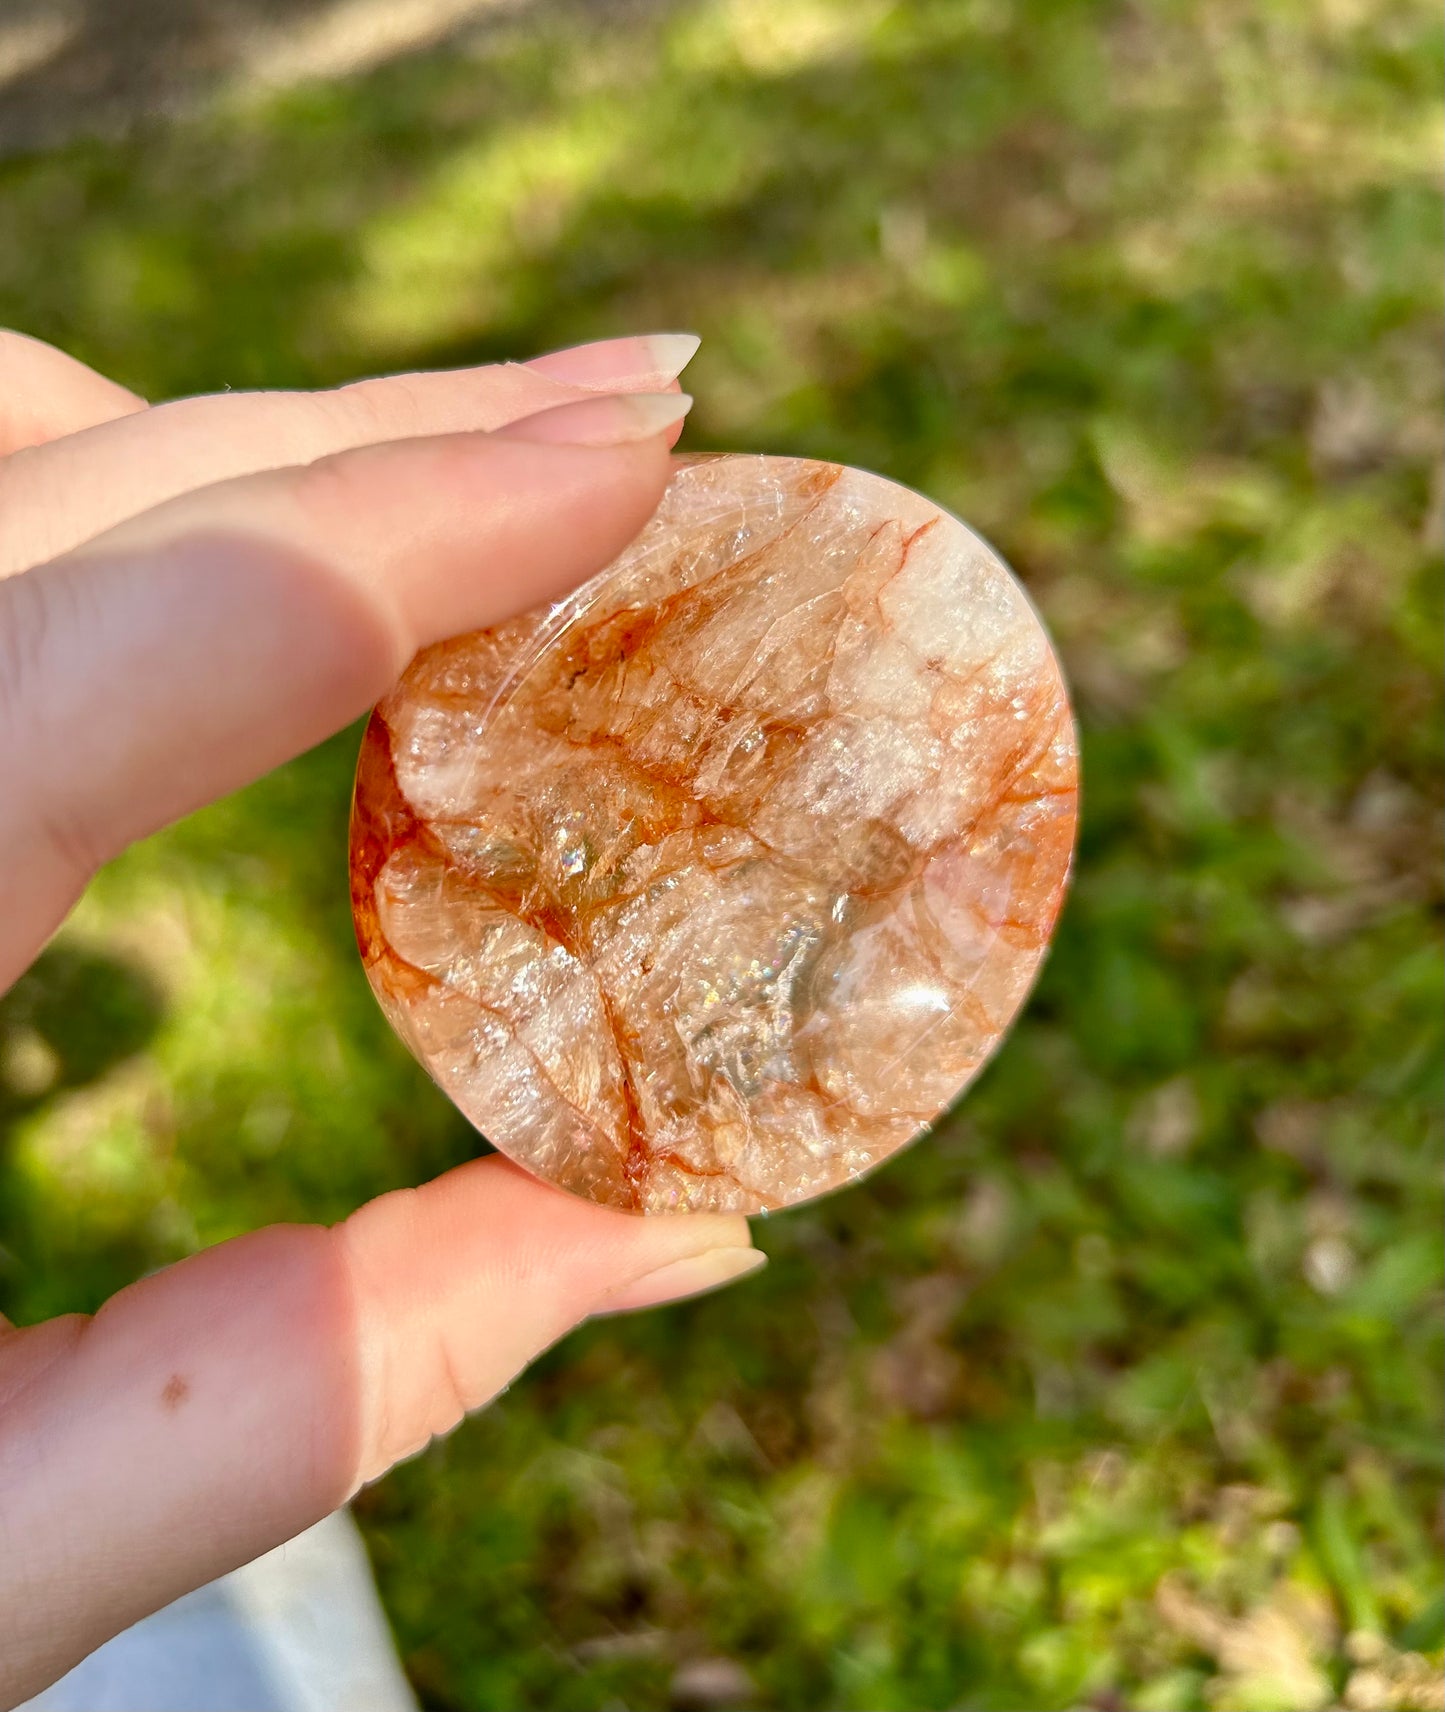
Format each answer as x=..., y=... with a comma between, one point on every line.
x=189, y=595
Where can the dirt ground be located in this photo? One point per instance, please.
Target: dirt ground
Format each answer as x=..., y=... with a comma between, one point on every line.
x=73, y=67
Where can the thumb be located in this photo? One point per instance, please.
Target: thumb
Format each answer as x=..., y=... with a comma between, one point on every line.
x=459, y=1284
x=219, y=1407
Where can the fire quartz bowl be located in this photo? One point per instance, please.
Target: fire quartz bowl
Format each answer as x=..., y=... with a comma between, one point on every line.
x=712, y=886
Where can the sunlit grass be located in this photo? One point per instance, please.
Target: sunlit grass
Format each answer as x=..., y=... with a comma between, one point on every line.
x=1123, y=1388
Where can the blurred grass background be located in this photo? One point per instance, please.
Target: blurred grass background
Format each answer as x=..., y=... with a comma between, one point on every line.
x=1123, y=1390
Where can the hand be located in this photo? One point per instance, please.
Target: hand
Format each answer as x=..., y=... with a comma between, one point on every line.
x=189, y=595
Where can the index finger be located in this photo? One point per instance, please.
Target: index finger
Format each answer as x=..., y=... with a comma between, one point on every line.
x=45, y=394
x=64, y=492
x=200, y=645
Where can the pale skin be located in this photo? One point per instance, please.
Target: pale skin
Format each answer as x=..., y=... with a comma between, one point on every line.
x=190, y=594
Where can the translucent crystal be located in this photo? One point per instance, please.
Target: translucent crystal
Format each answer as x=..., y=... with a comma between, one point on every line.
x=713, y=885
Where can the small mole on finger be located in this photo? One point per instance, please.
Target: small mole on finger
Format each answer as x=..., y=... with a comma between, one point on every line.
x=175, y=1393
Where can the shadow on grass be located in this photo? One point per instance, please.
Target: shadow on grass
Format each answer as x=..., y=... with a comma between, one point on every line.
x=1081, y=274
x=69, y=1020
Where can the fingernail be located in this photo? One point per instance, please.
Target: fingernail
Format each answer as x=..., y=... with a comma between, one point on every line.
x=654, y=358
x=692, y=1276
x=612, y=419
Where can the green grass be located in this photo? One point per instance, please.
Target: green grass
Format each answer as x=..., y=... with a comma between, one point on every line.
x=1123, y=1390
